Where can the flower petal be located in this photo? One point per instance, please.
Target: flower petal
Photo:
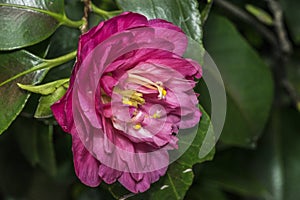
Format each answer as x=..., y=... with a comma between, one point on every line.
x=108, y=174
x=86, y=166
x=140, y=182
x=62, y=111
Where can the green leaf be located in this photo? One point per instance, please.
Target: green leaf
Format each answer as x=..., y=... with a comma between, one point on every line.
x=13, y=98
x=292, y=15
x=35, y=142
x=230, y=171
x=179, y=176
x=182, y=13
x=43, y=110
x=24, y=23
x=15, y=172
x=289, y=139
x=248, y=82
x=64, y=40
x=207, y=190
x=27, y=139
x=46, y=151
x=44, y=89
x=271, y=172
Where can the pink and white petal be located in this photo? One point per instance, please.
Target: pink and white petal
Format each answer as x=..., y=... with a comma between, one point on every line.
x=62, y=111
x=174, y=34
x=86, y=166
x=108, y=174
x=140, y=182
x=128, y=182
x=107, y=83
x=190, y=120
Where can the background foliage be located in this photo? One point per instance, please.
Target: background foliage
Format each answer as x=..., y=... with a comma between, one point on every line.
x=255, y=44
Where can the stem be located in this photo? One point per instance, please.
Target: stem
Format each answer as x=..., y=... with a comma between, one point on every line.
x=205, y=12
x=47, y=64
x=105, y=14
x=73, y=24
x=62, y=59
x=234, y=10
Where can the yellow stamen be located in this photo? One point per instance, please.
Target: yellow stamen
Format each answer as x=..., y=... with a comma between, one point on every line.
x=137, y=126
x=149, y=84
x=129, y=102
x=164, y=93
x=131, y=97
x=156, y=116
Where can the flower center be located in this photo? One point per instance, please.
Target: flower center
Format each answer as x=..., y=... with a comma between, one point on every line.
x=136, y=99
x=131, y=97
x=162, y=93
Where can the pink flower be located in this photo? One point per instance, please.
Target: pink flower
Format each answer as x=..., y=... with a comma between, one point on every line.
x=130, y=93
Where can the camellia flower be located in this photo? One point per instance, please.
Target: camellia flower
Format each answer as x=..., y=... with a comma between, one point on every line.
x=130, y=93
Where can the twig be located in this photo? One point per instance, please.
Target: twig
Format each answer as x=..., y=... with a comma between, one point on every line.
x=205, y=12
x=269, y=35
x=87, y=9
x=284, y=42
x=284, y=52
x=291, y=91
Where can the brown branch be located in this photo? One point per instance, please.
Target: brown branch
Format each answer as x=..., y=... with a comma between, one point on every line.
x=291, y=91
x=275, y=8
x=86, y=11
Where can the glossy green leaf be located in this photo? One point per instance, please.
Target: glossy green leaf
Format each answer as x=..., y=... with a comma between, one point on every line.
x=179, y=176
x=247, y=79
x=24, y=23
x=182, y=13
x=13, y=99
x=292, y=15
x=63, y=41
x=47, y=5
x=43, y=110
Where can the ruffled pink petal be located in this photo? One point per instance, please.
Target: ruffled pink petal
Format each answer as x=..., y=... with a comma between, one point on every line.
x=190, y=120
x=140, y=182
x=86, y=166
x=104, y=30
x=107, y=83
x=62, y=111
x=163, y=24
x=179, y=41
x=108, y=174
